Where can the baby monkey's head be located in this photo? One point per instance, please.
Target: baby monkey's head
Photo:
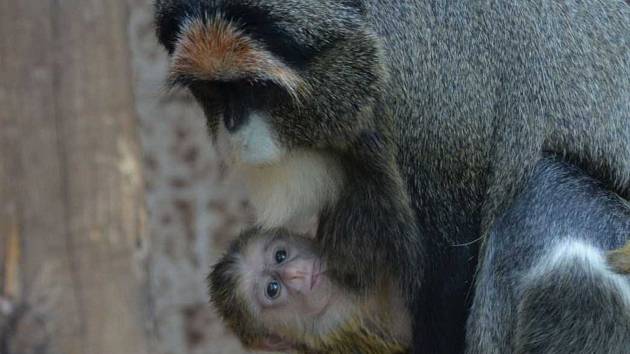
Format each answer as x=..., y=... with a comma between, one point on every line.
x=272, y=282
x=272, y=290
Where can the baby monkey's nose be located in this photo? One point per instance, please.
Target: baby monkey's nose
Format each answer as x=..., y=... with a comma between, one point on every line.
x=297, y=275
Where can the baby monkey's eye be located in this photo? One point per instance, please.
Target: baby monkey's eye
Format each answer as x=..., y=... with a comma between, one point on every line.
x=273, y=289
x=281, y=256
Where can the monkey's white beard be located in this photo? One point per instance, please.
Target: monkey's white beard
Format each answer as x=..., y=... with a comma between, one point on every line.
x=287, y=188
x=255, y=142
x=292, y=192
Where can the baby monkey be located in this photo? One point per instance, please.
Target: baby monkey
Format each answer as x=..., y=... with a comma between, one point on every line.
x=273, y=290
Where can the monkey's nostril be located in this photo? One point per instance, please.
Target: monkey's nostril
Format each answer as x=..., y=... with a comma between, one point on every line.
x=228, y=120
x=234, y=118
x=236, y=108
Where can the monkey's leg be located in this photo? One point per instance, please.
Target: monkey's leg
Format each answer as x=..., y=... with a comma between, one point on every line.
x=572, y=303
x=490, y=325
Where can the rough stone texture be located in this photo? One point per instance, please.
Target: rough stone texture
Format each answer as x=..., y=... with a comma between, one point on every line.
x=195, y=206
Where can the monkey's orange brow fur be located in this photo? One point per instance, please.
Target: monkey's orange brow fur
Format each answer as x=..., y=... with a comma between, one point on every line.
x=216, y=50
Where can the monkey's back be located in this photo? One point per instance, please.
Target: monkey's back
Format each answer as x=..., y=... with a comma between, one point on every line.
x=482, y=84
x=480, y=89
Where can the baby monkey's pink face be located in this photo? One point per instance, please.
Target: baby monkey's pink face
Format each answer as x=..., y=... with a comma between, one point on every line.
x=284, y=282
x=284, y=273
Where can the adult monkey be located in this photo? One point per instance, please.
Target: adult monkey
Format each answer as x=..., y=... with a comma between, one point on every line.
x=465, y=94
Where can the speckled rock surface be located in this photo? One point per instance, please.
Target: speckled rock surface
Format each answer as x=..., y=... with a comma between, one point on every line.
x=195, y=206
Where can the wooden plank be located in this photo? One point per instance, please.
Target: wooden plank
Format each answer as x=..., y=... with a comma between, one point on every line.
x=70, y=181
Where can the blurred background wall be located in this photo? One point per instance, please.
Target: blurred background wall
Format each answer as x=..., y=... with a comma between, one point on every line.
x=113, y=204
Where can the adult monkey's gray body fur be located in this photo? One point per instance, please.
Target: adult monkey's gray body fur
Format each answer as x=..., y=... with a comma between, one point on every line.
x=544, y=285
x=464, y=96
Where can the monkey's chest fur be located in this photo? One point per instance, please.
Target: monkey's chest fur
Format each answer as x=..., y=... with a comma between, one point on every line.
x=355, y=338
x=286, y=188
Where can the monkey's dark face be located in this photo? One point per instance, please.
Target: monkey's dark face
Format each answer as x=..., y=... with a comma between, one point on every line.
x=268, y=83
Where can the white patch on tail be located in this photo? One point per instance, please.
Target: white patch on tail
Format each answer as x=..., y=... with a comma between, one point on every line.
x=590, y=258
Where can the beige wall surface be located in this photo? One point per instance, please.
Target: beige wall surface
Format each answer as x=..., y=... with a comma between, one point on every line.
x=195, y=206
x=113, y=204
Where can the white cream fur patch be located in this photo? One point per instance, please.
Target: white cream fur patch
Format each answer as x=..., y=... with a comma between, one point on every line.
x=293, y=191
x=255, y=142
x=287, y=188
